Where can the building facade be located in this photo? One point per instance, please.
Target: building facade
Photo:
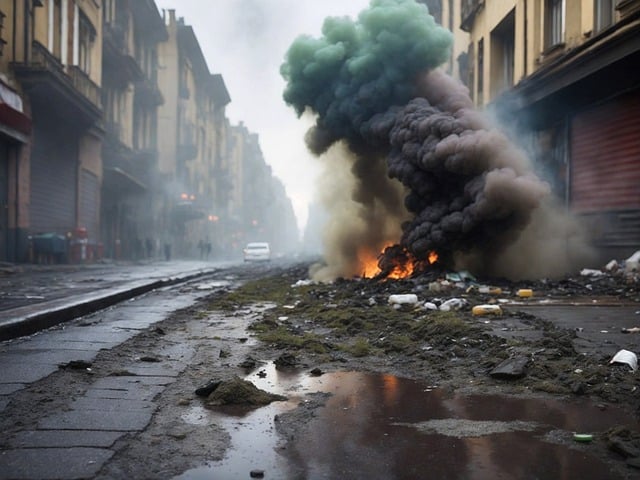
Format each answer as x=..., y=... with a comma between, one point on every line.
x=114, y=139
x=565, y=72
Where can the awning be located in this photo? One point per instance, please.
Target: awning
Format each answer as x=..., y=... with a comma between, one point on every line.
x=117, y=180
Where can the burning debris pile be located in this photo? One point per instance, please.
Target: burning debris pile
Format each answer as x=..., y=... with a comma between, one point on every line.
x=428, y=171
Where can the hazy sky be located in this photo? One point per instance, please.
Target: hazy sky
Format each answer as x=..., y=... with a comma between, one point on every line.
x=246, y=41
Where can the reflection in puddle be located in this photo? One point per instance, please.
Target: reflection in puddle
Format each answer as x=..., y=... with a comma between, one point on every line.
x=382, y=426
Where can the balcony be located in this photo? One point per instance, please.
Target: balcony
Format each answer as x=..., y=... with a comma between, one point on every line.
x=469, y=10
x=119, y=63
x=69, y=92
x=187, y=147
x=148, y=93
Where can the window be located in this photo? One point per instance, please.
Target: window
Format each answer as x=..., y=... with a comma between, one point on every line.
x=57, y=29
x=480, y=72
x=3, y=42
x=604, y=14
x=502, y=54
x=554, y=22
x=87, y=36
x=109, y=11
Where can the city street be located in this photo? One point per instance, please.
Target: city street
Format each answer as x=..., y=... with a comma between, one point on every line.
x=112, y=394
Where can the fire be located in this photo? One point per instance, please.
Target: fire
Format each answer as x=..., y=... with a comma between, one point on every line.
x=368, y=264
x=433, y=257
x=392, y=262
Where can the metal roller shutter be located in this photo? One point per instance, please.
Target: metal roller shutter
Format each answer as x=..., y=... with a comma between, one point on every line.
x=54, y=181
x=605, y=156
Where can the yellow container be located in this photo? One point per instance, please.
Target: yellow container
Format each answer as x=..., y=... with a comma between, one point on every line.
x=525, y=293
x=486, y=310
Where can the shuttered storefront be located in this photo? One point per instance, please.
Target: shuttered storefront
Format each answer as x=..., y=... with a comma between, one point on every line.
x=89, y=215
x=54, y=180
x=605, y=169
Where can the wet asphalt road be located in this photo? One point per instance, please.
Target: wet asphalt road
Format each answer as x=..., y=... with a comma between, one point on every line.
x=77, y=435
x=72, y=437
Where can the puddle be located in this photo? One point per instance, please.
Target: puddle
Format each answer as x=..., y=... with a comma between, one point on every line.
x=382, y=426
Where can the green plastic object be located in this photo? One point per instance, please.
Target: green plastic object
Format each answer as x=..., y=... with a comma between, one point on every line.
x=582, y=437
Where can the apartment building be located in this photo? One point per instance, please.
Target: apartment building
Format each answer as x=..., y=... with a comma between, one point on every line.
x=131, y=98
x=447, y=13
x=52, y=69
x=114, y=138
x=194, y=145
x=565, y=71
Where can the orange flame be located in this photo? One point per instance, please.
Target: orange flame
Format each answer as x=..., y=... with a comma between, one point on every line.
x=369, y=267
x=368, y=263
x=433, y=257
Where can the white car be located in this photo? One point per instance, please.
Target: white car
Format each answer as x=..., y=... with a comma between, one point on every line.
x=257, y=251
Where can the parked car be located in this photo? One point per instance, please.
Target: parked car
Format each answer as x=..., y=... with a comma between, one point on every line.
x=257, y=251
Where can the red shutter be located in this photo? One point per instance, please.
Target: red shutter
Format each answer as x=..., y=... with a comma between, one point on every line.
x=605, y=156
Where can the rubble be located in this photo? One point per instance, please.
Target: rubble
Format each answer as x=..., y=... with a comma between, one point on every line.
x=236, y=391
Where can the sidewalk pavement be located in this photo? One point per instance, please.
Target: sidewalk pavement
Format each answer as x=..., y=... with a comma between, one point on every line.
x=34, y=297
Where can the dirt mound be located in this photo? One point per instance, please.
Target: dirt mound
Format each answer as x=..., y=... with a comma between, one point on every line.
x=240, y=392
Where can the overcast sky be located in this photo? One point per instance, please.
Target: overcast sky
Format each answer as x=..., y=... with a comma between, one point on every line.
x=246, y=41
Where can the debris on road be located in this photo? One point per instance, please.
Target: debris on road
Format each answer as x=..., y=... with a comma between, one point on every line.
x=240, y=392
x=626, y=357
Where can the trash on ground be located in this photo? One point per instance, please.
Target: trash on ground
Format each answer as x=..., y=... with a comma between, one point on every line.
x=631, y=330
x=626, y=357
x=403, y=299
x=525, y=293
x=590, y=272
x=490, y=290
x=632, y=263
x=430, y=306
x=454, y=304
x=511, y=368
x=487, y=310
x=582, y=437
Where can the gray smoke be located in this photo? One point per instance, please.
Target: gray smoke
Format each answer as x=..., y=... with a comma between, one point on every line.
x=469, y=193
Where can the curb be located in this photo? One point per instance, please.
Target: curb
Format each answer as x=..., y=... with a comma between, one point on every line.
x=55, y=313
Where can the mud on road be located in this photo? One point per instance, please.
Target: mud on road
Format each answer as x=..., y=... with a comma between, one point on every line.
x=349, y=325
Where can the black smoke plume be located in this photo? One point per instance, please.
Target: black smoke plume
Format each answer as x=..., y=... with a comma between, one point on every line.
x=468, y=193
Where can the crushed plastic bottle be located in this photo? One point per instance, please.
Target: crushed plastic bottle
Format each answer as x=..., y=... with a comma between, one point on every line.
x=487, y=310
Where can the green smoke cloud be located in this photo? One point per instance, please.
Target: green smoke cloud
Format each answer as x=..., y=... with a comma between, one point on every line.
x=358, y=69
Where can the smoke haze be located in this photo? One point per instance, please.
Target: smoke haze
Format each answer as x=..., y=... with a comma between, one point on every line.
x=469, y=193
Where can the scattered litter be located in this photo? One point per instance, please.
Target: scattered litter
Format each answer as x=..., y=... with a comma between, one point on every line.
x=403, y=299
x=577, y=370
x=430, y=306
x=490, y=290
x=454, y=304
x=453, y=277
x=303, y=283
x=525, y=293
x=487, y=310
x=590, y=272
x=604, y=331
x=626, y=357
x=282, y=319
x=631, y=330
x=372, y=301
x=582, y=437
x=511, y=368
x=612, y=266
x=632, y=264
x=289, y=307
